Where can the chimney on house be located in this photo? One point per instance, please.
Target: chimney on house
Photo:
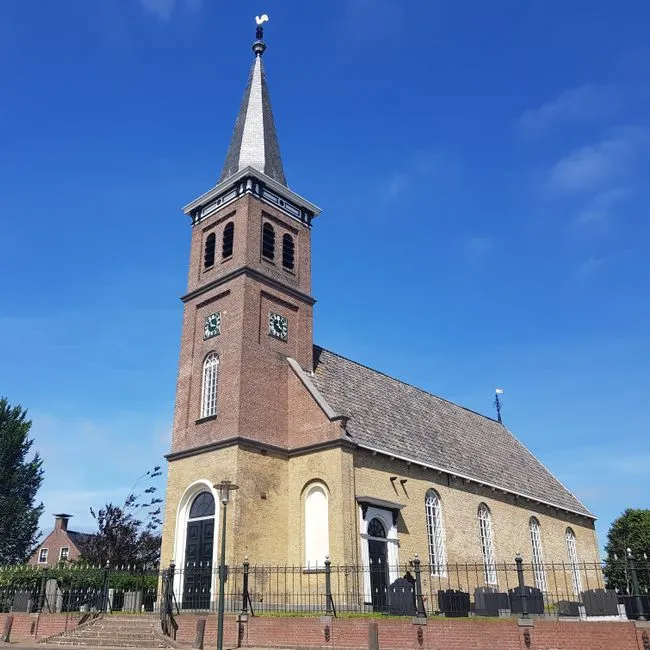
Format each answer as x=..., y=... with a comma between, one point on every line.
x=61, y=521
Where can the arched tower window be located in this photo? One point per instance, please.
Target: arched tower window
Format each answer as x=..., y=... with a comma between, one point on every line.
x=268, y=241
x=435, y=535
x=538, y=558
x=572, y=552
x=287, y=252
x=228, y=240
x=210, y=381
x=487, y=544
x=316, y=525
x=210, y=245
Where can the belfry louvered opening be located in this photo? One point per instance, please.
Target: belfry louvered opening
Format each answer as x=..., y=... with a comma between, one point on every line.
x=268, y=242
x=287, y=252
x=228, y=240
x=210, y=246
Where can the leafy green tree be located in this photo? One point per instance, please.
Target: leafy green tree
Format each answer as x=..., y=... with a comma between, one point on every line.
x=630, y=531
x=20, y=480
x=127, y=535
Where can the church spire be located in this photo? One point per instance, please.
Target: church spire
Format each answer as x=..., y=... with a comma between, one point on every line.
x=254, y=141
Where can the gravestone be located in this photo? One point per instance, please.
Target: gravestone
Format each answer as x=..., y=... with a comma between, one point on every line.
x=568, y=608
x=453, y=603
x=600, y=602
x=53, y=597
x=132, y=601
x=488, y=601
x=23, y=601
x=401, y=598
x=534, y=600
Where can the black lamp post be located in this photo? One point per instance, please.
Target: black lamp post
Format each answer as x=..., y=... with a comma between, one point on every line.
x=224, y=488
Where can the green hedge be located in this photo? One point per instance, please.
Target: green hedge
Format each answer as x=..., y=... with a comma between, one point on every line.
x=76, y=577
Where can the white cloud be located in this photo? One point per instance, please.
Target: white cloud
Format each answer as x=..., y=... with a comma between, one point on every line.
x=163, y=9
x=596, y=167
x=479, y=247
x=599, y=209
x=583, y=103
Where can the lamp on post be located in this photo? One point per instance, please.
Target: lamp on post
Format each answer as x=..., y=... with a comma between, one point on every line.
x=225, y=487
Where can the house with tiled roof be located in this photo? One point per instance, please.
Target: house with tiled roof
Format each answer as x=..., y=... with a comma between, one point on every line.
x=331, y=458
x=60, y=545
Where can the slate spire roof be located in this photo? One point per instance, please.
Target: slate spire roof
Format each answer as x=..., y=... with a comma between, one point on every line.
x=254, y=141
x=389, y=416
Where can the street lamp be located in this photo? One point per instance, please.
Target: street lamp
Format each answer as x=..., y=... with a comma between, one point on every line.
x=224, y=496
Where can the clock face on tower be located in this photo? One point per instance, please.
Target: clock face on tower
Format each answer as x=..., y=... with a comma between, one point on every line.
x=278, y=326
x=212, y=325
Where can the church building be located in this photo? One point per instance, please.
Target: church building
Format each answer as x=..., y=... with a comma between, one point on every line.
x=331, y=458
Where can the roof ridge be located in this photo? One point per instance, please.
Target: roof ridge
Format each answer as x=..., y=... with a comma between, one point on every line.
x=406, y=383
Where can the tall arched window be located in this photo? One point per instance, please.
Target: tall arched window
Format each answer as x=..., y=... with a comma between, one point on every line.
x=210, y=381
x=538, y=558
x=572, y=552
x=210, y=245
x=487, y=544
x=287, y=252
x=435, y=535
x=228, y=240
x=268, y=241
x=316, y=526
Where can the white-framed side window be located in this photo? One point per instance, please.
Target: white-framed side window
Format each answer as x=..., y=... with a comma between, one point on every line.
x=487, y=544
x=316, y=525
x=572, y=552
x=64, y=554
x=209, y=386
x=42, y=556
x=435, y=534
x=538, y=557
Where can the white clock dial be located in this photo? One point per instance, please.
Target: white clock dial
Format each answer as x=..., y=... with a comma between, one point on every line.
x=278, y=326
x=212, y=325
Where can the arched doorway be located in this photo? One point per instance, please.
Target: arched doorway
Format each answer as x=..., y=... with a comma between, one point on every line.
x=378, y=557
x=198, y=553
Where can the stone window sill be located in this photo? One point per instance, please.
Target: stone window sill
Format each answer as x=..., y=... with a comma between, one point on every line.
x=209, y=418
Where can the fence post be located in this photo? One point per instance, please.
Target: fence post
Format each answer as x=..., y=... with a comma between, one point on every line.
x=522, y=589
x=329, y=602
x=636, y=592
x=105, y=599
x=245, y=596
x=41, y=594
x=420, y=612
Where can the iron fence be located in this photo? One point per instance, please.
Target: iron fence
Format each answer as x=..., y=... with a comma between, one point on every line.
x=453, y=590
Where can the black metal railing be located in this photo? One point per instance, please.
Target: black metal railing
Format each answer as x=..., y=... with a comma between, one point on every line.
x=518, y=588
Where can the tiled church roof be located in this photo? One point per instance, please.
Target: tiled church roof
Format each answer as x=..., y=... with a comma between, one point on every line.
x=390, y=416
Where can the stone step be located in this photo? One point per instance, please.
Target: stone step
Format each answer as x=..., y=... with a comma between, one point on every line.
x=107, y=642
x=89, y=634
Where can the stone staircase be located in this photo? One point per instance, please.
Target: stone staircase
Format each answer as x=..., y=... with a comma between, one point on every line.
x=116, y=631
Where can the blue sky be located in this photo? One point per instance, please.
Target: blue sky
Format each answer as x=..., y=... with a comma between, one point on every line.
x=481, y=172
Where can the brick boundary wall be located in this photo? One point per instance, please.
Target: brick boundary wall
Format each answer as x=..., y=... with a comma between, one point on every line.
x=40, y=626
x=437, y=634
x=394, y=634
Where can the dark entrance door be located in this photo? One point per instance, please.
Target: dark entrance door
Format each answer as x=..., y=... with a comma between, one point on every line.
x=198, y=553
x=378, y=554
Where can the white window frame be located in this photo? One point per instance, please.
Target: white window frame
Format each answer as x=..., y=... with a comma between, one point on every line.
x=435, y=534
x=538, y=556
x=41, y=559
x=67, y=554
x=487, y=544
x=210, y=385
x=572, y=552
x=314, y=556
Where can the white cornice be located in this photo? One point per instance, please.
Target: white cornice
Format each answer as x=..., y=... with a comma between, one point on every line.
x=267, y=180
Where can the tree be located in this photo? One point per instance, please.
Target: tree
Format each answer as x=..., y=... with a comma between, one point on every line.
x=20, y=479
x=127, y=535
x=631, y=530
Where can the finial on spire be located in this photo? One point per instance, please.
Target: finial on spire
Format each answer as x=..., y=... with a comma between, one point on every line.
x=259, y=45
